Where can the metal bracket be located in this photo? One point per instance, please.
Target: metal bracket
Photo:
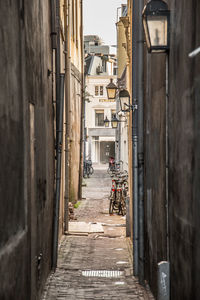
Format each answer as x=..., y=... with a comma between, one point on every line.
x=134, y=107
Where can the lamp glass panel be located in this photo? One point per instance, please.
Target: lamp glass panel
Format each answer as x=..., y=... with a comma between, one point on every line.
x=157, y=27
x=114, y=124
x=106, y=123
x=146, y=33
x=111, y=93
x=123, y=102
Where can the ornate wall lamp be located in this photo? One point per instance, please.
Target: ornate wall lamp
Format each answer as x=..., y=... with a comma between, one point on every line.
x=111, y=89
x=106, y=122
x=156, y=22
x=114, y=122
x=124, y=97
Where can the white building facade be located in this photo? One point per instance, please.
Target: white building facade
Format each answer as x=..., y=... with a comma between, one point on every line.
x=99, y=69
x=100, y=140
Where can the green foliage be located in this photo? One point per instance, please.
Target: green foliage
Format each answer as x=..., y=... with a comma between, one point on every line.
x=76, y=205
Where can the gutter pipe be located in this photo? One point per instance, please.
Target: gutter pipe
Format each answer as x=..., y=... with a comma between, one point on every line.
x=58, y=173
x=57, y=66
x=59, y=129
x=141, y=141
x=67, y=110
x=135, y=137
x=53, y=25
x=82, y=127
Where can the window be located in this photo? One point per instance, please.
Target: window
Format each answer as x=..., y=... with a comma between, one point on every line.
x=115, y=71
x=95, y=138
x=99, y=118
x=101, y=90
x=96, y=90
x=104, y=63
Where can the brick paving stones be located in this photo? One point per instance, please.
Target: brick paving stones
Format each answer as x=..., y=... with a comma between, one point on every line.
x=104, y=253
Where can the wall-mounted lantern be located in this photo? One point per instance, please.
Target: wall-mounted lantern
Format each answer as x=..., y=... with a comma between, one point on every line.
x=114, y=122
x=111, y=90
x=156, y=22
x=106, y=122
x=124, y=98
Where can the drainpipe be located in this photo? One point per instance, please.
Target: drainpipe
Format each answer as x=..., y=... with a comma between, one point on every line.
x=67, y=110
x=117, y=134
x=135, y=137
x=140, y=44
x=82, y=129
x=58, y=172
x=84, y=126
x=167, y=152
x=118, y=129
x=59, y=129
x=57, y=65
x=53, y=25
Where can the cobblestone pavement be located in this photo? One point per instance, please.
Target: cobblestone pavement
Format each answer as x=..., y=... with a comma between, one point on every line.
x=97, y=266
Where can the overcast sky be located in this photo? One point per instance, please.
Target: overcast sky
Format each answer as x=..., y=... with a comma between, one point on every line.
x=100, y=17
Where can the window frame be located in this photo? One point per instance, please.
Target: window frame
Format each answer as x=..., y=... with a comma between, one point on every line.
x=96, y=90
x=99, y=123
x=101, y=90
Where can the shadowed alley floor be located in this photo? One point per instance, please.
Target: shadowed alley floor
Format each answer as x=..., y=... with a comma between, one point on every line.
x=95, y=265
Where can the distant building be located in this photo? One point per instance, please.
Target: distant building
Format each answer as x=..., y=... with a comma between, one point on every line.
x=100, y=67
x=93, y=44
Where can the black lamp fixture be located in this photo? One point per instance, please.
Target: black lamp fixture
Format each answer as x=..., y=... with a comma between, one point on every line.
x=106, y=122
x=124, y=98
x=114, y=122
x=156, y=22
x=111, y=90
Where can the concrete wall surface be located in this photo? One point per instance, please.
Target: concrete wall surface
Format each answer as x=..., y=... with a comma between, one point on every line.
x=27, y=149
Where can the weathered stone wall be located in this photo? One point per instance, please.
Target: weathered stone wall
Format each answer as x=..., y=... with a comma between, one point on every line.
x=184, y=157
x=154, y=161
x=27, y=150
x=75, y=133
x=184, y=150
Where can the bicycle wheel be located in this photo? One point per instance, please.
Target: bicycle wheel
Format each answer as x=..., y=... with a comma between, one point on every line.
x=111, y=205
x=109, y=171
x=91, y=170
x=118, y=202
x=123, y=206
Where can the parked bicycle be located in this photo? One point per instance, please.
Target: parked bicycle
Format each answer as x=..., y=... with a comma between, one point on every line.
x=115, y=166
x=87, y=168
x=119, y=191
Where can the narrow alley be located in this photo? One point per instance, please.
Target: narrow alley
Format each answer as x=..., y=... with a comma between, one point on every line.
x=95, y=265
x=86, y=85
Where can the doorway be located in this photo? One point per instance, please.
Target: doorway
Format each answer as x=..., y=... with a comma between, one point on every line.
x=107, y=149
